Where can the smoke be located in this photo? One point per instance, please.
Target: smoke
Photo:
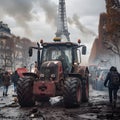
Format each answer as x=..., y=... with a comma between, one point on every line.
x=50, y=9
x=20, y=10
x=75, y=20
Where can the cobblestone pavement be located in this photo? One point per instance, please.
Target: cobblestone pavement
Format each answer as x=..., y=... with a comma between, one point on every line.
x=96, y=109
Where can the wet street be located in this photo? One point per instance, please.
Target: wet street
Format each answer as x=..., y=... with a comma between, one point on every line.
x=97, y=109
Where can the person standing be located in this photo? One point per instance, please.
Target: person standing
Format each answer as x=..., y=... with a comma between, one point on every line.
x=36, y=67
x=65, y=62
x=113, y=80
x=15, y=78
x=6, y=83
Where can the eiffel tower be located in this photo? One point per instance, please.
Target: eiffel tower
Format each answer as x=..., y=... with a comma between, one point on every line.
x=62, y=28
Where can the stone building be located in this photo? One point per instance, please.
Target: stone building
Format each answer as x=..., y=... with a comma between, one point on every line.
x=13, y=49
x=108, y=42
x=6, y=45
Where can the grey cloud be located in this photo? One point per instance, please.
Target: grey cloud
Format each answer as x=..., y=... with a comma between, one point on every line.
x=89, y=7
x=50, y=9
x=75, y=20
x=20, y=10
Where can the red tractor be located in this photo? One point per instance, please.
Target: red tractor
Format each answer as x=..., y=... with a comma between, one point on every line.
x=59, y=74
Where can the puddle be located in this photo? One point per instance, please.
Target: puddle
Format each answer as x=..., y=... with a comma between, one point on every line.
x=90, y=116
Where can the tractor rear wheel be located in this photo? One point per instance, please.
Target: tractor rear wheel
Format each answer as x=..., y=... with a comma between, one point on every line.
x=25, y=92
x=72, y=92
x=85, y=90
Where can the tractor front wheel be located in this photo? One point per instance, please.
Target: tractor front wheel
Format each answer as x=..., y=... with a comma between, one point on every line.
x=72, y=92
x=25, y=92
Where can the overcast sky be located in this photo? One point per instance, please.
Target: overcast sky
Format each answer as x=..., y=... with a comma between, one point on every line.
x=36, y=19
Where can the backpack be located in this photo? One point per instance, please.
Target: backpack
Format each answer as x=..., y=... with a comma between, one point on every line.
x=115, y=78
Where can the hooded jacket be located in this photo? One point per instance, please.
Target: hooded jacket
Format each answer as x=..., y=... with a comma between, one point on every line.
x=109, y=78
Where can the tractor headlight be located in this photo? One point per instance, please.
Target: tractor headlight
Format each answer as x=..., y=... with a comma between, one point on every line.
x=53, y=76
x=42, y=76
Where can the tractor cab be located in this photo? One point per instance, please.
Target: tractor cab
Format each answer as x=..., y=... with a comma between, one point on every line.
x=67, y=53
x=58, y=52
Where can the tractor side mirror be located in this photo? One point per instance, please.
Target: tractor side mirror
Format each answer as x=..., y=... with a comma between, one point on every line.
x=84, y=50
x=30, y=52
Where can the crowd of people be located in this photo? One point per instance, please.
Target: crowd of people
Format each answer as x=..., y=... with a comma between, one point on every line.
x=7, y=79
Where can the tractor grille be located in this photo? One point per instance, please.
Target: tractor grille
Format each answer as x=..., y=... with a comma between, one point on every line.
x=48, y=70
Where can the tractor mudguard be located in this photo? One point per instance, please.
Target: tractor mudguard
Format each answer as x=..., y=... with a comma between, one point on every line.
x=76, y=75
x=30, y=74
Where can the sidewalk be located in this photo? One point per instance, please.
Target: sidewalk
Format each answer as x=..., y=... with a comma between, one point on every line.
x=10, y=90
x=6, y=100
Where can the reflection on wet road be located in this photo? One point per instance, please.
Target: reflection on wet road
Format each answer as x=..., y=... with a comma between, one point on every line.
x=97, y=109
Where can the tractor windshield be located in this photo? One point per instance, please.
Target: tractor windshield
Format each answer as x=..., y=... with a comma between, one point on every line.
x=58, y=53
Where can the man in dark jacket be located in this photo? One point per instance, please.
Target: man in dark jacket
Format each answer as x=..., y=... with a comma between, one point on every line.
x=15, y=78
x=112, y=86
x=6, y=83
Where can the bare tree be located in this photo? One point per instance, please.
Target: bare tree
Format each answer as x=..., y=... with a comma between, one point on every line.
x=114, y=44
